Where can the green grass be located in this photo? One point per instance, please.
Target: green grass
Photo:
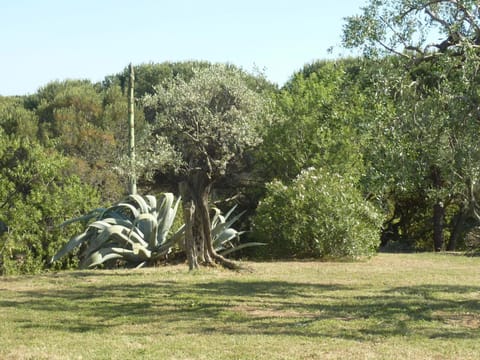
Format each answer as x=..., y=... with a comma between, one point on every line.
x=394, y=306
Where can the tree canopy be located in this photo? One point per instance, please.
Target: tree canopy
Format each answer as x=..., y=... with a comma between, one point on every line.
x=210, y=121
x=426, y=100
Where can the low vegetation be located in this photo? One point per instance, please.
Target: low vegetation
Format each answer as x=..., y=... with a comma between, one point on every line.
x=319, y=215
x=406, y=306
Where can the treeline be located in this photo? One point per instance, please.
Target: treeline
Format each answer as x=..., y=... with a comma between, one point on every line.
x=348, y=157
x=358, y=154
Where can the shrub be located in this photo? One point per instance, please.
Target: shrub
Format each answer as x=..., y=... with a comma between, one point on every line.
x=36, y=194
x=320, y=215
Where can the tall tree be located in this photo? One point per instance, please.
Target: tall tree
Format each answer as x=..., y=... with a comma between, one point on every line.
x=321, y=109
x=210, y=120
x=36, y=194
x=415, y=29
x=16, y=120
x=428, y=95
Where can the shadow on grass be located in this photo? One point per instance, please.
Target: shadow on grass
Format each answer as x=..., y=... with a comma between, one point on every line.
x=254, y=307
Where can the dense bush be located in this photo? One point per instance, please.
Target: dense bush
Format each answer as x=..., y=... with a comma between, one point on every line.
x=36, y=195
x=319, y=215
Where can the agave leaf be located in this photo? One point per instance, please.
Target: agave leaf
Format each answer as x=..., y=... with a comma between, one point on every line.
x=104, y=223
x=99, y=257
x=128, y=225
x=220, y=227
x=137, y=254
x=117, y=221
x=233, y=220
x=179, y=234
x=141, y=265
x=142, y=252
x=224, y=236
x=122, y=210
x=104, y=236
x=166, y=247
x=239, y=247
x=216, y=218
x=140, y=201
x=124, y=236
x=132, y=237
x=152, y=201
x=87, y=217
x=166, y=216
x=165, y=204
x=147, y=223
x=163, y=249
x=70, y=245
x=227, y=215
x=128, y=229
x=100, y=225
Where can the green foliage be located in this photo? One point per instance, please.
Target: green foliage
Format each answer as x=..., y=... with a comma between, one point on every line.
x=148, y=75
x=320, y=110
x=414, y=28
x=16, y=120
x=35, y=196
x=133, y=231
x=424, y=105
x=88, y=124
x=320, y=215
x=209, y=120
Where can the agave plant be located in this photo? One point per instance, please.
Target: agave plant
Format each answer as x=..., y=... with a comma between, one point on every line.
x=135, y=230
x=225, y=238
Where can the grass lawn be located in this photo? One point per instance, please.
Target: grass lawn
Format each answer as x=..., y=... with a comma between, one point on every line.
x=393, y=306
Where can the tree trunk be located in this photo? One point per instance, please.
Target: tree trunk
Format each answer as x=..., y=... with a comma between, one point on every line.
x=207, y=233
x=438, y=211
x=458, y=225
x=438, y=223
x=195, y=192
x=188, y=215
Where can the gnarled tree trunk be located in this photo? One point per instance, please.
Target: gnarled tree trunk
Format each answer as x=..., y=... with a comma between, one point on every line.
x=195, y=191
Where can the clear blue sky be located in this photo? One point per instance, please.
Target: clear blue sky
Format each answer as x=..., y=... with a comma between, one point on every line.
x=46, y=40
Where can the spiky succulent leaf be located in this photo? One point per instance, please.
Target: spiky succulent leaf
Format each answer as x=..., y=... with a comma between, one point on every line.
x=166, y=218
x=141, y=204
x=122, y=210
x=239, y=247
x=134, y=230
x=152, y=201
x=113, y=232
x=72, y=244
x=147, y=224
x=87, y=217
x=223, y=226
x=99, y=257
x=224, y=236
x=227, y=215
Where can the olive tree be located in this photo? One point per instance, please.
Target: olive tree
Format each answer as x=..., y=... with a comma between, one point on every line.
x=429, y=102
x=210, y=121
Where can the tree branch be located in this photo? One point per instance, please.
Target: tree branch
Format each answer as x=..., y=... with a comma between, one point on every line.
x=392, y=50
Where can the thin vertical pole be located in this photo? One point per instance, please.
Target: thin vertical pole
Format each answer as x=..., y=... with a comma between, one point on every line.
x=132, y=188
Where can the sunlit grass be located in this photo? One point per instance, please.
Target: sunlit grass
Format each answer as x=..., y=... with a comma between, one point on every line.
x=424, y=306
